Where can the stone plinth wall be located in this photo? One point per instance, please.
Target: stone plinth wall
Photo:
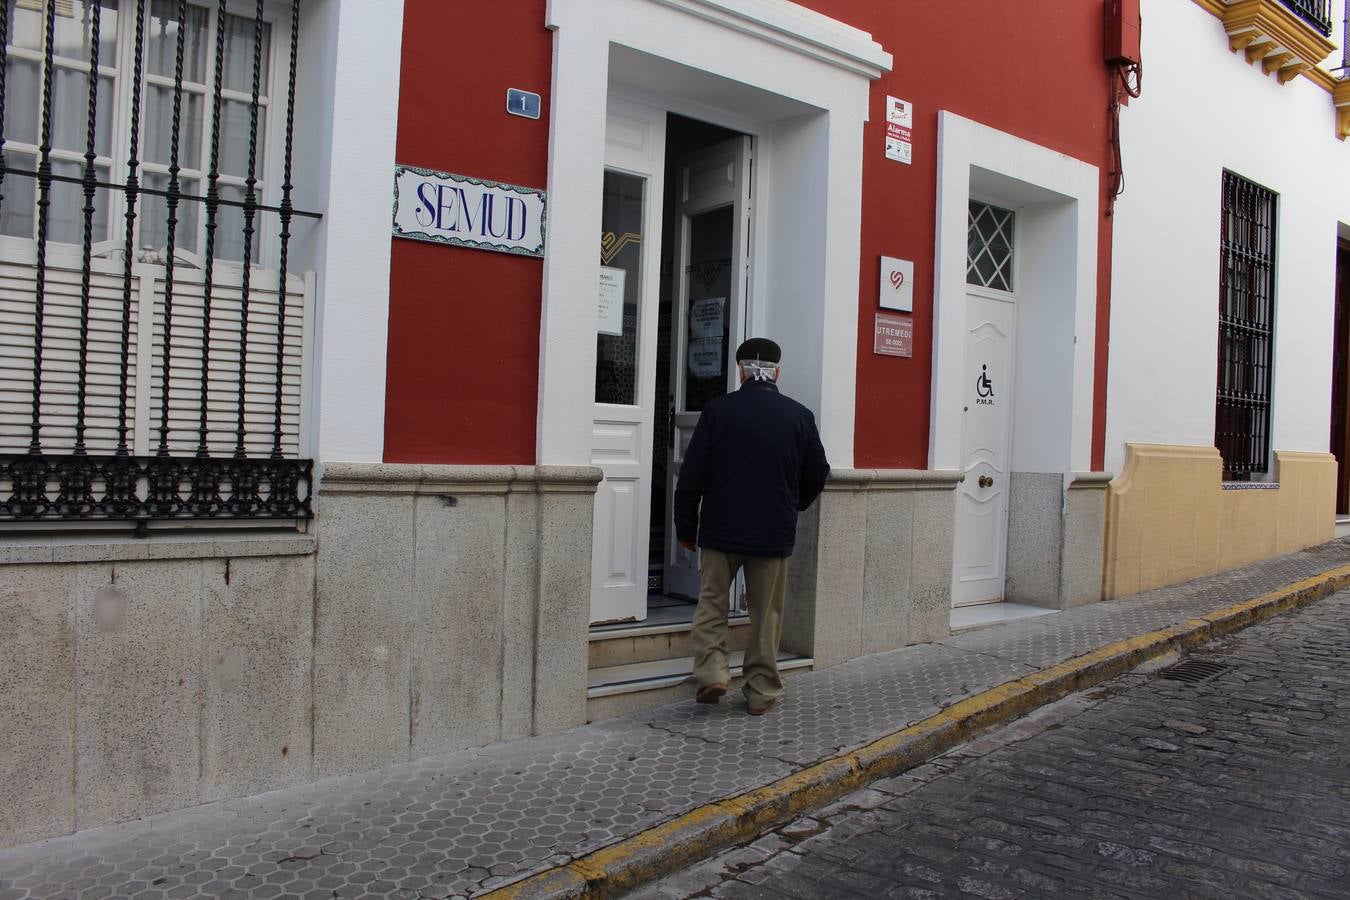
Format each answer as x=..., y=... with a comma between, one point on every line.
x=872, y=569
x=453, y=608
x=1171, y=518
x=141, y=676
x=440, y=607
x=1055, y=533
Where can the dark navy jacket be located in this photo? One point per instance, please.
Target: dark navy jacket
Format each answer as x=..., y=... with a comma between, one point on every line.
x=755, y=461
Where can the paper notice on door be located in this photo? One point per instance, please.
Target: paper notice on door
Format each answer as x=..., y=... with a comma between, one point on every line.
x=705, y=357
x=706, y=317
x=609, y=312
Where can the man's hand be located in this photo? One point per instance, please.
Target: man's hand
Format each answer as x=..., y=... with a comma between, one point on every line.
x=688, y=545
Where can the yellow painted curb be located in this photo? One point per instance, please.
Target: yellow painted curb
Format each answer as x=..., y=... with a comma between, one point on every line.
x=715, y=826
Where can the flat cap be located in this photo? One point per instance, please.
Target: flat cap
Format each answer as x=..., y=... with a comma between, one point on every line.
x=761, y=349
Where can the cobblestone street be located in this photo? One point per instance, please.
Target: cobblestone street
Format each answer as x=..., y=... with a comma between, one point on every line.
x=1235, y=786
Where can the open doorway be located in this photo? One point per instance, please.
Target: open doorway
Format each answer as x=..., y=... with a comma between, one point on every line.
x=1340, y=382
x=702, y=316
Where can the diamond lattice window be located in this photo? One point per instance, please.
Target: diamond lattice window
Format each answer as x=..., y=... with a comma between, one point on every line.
x=990, y=260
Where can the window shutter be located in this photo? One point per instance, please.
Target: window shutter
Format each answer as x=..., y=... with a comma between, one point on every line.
x=185, y=365
x=60, y=357
x=60, y=361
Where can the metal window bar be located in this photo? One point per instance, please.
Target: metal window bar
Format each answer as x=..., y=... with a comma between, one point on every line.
x=1316, y=13
x=1246, y=327
x=1345, y=42
x=71, y=484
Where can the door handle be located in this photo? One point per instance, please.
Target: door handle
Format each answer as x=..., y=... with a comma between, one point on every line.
x=986, y=481
x=670, y=426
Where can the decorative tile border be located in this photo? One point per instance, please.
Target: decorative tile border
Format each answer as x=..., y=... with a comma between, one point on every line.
x=1250, y=485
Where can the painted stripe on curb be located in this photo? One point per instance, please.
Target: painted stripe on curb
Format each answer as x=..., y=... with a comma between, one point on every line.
x=716, y=826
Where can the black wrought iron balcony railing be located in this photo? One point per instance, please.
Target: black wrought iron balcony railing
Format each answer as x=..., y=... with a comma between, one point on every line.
x=1316, y=13
x=1344, y=68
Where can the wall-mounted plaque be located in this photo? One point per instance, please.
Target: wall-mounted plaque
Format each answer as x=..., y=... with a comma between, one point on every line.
x=894, y=335
x=897, y=284
x=469, y=212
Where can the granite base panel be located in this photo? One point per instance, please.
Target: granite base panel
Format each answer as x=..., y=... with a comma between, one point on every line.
x=138, y=686
x=433, y=608
x=872, y=567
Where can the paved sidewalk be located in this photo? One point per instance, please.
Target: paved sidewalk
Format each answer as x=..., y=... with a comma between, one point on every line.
x=468, y=822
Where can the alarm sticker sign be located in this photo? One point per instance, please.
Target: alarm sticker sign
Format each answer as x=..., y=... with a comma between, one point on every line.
x=899, y=130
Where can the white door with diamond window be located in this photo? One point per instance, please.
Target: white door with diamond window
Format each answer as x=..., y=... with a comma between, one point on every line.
x=982, y=497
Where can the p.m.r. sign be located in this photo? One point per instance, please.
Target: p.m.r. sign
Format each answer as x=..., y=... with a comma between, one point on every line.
x=470, y=212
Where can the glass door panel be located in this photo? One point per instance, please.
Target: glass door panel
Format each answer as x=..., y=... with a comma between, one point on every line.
x=620, y=290
x=708, y=307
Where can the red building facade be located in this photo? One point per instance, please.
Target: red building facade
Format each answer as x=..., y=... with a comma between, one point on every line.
x=463, y=347
x=749, y=169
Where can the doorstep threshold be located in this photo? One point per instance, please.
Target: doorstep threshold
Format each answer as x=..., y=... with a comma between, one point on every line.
x=644, y=629
x=662, y=673
x=983, y=615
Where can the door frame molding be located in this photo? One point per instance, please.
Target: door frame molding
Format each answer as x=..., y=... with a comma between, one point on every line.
x=817, y=73
x=966, y=148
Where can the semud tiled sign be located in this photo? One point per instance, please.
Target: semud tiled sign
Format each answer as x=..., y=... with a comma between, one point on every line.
x=469, y=212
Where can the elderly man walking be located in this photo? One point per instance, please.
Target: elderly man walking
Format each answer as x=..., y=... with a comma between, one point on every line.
x=755, y=460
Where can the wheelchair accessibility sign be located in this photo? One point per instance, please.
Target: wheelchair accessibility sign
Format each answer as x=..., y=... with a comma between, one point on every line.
x=984, y=388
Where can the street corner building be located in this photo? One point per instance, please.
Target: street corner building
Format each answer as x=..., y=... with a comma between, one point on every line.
x=350, y=348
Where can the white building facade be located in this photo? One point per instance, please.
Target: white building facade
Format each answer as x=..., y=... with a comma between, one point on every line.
x=1229, y=251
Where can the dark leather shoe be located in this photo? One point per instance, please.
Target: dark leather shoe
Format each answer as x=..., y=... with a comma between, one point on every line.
x=710, y=693
x=761, y=710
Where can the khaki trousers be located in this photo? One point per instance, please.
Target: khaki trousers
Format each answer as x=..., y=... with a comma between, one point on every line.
x=765, y=585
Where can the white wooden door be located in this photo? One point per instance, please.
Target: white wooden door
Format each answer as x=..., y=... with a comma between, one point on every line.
x=627, y=297
x=712, y=274
x=982, y=498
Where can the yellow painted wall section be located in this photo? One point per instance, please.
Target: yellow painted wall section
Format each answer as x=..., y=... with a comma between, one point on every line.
x=1169, y=519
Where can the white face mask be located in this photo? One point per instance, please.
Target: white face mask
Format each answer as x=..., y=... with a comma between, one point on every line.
x=755, y=370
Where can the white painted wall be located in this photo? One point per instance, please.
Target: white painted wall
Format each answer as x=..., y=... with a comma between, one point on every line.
x=348, y=120
x=1205, y=109
x=1046, y=287
x=794, y=314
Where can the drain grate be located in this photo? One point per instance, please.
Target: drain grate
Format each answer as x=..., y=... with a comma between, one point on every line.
x=1192, y=671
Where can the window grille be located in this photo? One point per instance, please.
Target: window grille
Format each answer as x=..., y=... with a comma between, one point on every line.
x=147, y=373
x=1246, y=327
x=989, y=260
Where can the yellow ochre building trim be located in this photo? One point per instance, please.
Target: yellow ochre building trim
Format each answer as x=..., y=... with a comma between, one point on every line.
x=1169, y=517
x=1340, y=96
x=1258, y=27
